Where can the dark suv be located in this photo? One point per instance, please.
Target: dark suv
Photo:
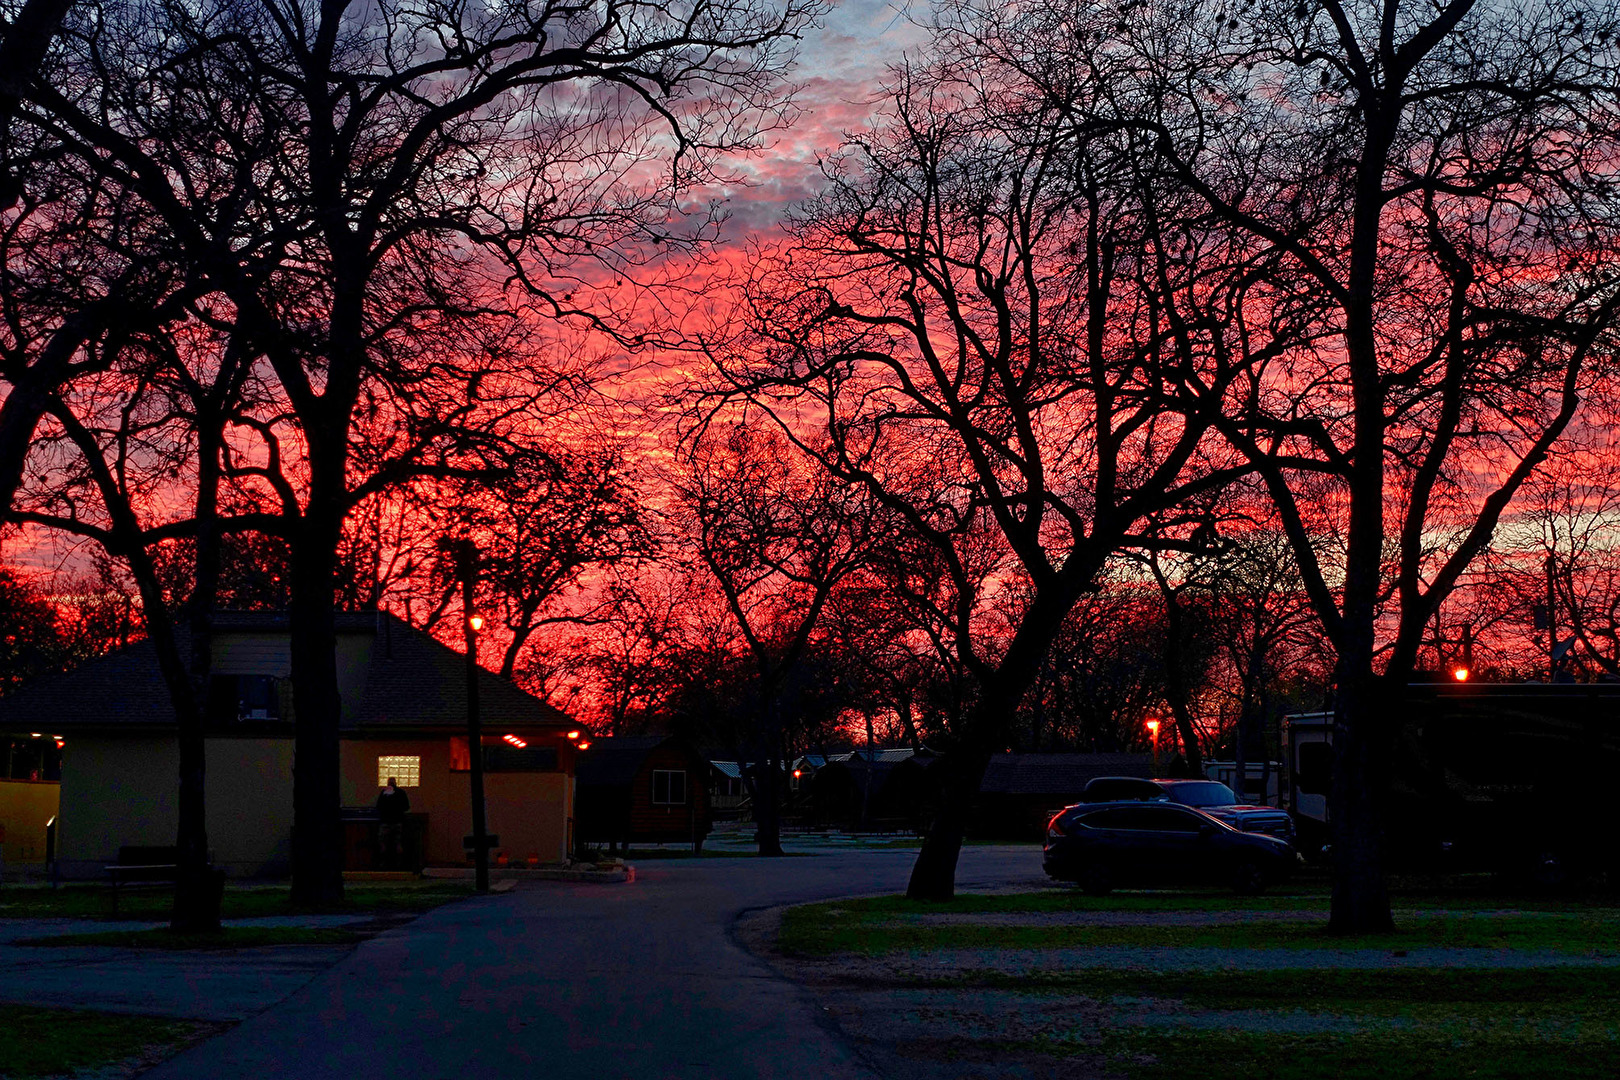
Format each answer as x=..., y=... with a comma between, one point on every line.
x=1104, y=844
x=1210, y=796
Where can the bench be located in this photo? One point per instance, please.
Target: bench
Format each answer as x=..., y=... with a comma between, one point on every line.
x=144, y=865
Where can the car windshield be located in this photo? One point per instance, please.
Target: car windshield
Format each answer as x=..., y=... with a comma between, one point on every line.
x=1204, y=793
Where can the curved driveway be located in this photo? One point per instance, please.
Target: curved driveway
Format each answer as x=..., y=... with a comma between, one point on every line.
x=579, y=981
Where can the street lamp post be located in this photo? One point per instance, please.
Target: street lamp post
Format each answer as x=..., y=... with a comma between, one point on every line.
x=1153, y=730
x=467, y=567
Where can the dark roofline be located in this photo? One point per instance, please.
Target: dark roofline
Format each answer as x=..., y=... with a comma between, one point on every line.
x=412, y=675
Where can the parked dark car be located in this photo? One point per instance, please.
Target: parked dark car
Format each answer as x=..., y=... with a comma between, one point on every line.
x=1210, y=796
x=1217, y=800
x=1101, y=845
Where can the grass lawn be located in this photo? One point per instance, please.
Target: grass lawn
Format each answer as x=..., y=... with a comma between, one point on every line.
x=56, y=1042
x=95, y=901
x=1317, y=1023
x=231, y=937
x=1357, y=1025
x=894, y=924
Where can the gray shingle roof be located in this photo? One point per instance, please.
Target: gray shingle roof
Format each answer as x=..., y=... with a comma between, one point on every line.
x=1057, y=774
x=615, y=762
x=412, y=681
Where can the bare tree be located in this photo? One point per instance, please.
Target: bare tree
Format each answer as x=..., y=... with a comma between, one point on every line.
x=778, y=538
x=977, y=322
x=1427, y=189
x=417, y=170
x=113, y=453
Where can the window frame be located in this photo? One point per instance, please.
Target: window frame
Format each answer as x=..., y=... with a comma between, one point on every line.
x=398, y=771
x=668, y=787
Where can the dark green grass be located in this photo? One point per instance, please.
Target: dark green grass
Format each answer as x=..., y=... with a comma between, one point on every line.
x=231, y=937
x=1460, y=1052
x=95, y=901
x=1494, y=1024
x=894, y=924
x=1552, y=991
x=54, y=1042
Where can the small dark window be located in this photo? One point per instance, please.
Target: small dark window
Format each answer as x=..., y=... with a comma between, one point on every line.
x=243, y=698
x=1107, y=819
x=1144, y=818
x=1315, y=771
x=669, y=787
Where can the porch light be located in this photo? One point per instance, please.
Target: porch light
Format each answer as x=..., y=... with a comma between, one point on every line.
x=573, y=735
x=586, y=745
x=476, y=622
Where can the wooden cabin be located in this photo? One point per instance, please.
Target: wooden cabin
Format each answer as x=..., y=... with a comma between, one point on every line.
x=646, y=789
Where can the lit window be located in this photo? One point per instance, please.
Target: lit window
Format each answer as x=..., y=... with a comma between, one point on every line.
x=406, y=769
x=669, y=787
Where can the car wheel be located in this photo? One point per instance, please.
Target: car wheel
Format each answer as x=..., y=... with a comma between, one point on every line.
x=1096, y=881
x=1249, y=879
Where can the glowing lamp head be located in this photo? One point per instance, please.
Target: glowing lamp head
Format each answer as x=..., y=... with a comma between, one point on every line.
x=585, y=745
x=1153, y=727
x=1460, y=673
x=797, y=773
x=476, y=622
x=573, y=736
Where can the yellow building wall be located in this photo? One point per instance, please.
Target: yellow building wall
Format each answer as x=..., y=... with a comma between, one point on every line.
x=25, y=807
x=121, y=790
x=530, y=812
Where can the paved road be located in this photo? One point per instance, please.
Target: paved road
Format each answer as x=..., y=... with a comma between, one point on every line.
x=578, y=981
x=197, y=985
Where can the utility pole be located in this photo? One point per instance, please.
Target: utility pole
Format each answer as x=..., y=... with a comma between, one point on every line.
x=466, y=556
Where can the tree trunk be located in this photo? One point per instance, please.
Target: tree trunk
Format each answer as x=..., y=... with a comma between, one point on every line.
x=1175, y=683
x=1360, y=903
x=196, y=893
x=962, y=768
x=317, y=708
x=933, y=877
x=768, y=806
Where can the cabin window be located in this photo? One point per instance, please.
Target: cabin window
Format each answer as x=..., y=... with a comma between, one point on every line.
x=669, y=787
x=406, y=769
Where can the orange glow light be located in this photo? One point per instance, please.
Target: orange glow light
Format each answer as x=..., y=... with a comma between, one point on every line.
x=476, y=622
x=1461, y=674
x=586, y=745
x=1153, y=726
x=574, y=734
x=797, y=773
x=515, y=741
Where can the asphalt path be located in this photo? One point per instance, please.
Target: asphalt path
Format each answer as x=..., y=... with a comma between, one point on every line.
x=598, y=982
